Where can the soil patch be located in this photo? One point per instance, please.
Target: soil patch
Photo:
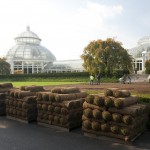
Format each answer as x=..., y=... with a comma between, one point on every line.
x=134, y=87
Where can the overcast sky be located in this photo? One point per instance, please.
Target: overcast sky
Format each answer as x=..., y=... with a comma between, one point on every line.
x=67, y=26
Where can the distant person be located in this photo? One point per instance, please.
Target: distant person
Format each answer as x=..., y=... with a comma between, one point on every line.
x=98, y=78
x=91, y=79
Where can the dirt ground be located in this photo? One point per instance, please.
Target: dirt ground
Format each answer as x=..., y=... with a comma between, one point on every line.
x=134, y=87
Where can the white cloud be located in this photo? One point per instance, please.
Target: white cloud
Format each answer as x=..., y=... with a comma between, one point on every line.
x=64, y=33
x=85, y=25
x=100, y=10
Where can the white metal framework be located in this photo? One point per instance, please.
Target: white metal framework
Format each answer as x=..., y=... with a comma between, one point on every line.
x=66, y=66
x=140, y=54
x=28, y=56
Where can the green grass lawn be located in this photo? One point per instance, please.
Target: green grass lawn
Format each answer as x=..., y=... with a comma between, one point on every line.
x=18, y=84
x=144, y=97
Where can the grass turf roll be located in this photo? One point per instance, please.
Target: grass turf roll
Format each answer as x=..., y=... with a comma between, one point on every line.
x=117, y=117
x=105, y=127
x=6, y=85
x=39, y=106
x=90, y=99
x=56, y=90
x=87, y=105
x=34, y=88
x=51, y=108
x=95, y=126
x=87, y=124
x=108, y=101
x=64, y=111
x=56, y=119
x=81, y=95
x=64, y=97
x=44, y=107
x=24, y=105
x=70, y=90
x=57, y=109
x=30, y=99
x=127, y=101
x=88, y=112
x=19, y=104
x=127, y=119
x=125, y=131
x=45, y=116
x=132, y=110
x=106, y=115
x=109, y=91
x=121, y=93
x=115, y=129
x=99, y=100
x=63, y=121
x=97, y=114
x=22, y=94
x=50, y=117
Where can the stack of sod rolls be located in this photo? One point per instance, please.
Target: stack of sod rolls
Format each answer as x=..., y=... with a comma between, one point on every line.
x=2, y=104
x=4, y=90
x=44, y=107
x=5, y=87
x=21, y=103
x=61, y=107
x=114, y=114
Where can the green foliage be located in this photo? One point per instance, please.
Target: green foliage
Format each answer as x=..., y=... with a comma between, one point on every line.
x=119, y=72
x=4, y=67
x=80, y=77
x=147, y=67
x=75, y=77
x=105, y=56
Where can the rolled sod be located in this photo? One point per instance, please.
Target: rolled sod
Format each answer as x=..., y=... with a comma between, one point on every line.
x=105, y=127
x=87, y=124
x=99, y=100
x=90, y=99
x=115, y=129
x=106, y=115
x=121, y=93
x=117, y=117
x=95, y=126
x=88, y=112
x=124, y=102
x=97, y=114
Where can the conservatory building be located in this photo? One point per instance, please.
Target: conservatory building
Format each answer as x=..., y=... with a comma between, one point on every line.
x=28, y=56
x=140, y=54
x=66, y=66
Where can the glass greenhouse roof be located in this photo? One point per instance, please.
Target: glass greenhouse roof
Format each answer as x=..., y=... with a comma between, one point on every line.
x=28, y=47
x=29, y=51
x=72, y=64
x=143, y=45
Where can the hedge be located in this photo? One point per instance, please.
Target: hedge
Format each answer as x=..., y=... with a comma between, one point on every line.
x=21, y=77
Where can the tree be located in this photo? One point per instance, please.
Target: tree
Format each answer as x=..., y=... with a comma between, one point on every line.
x=147, y=66
x=4, y=67
x=105, y=57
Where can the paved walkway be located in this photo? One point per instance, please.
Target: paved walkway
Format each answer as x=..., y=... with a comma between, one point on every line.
x=20, y=136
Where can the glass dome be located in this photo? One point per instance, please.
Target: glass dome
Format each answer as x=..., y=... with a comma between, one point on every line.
x=29, y=51
x=143, y=45
x=28, y=37
x=144, y=40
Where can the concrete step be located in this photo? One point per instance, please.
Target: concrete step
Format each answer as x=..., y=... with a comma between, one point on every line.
x=139, y=77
